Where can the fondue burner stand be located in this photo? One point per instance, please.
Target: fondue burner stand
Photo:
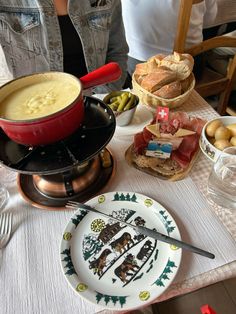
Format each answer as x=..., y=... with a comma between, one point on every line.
x=76, y=168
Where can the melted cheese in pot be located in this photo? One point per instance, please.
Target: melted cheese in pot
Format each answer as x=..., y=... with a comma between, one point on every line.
x=39, y=100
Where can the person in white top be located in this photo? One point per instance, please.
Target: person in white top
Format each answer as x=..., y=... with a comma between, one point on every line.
x=150, y=26
x=226, y=12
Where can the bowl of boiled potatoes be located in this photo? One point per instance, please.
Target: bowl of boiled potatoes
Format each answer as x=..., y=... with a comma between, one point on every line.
x=218, y=134
x=123, y=105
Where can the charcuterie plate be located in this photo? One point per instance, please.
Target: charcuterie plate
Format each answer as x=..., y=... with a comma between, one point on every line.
x=109, y=263
x=167, y=148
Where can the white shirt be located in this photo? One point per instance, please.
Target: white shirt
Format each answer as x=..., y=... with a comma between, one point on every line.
x=226, y=12
x=150, y=25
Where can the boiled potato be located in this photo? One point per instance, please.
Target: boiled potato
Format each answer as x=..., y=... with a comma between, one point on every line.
x=212, y=127
x=222, y=144
x=211, y=140
x=233, y=140
x=222, y=133
x=232, y=128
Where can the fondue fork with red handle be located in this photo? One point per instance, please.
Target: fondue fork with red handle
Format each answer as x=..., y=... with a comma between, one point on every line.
x=145, y=231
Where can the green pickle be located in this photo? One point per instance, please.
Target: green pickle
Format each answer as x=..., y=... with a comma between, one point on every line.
x=114, y=105
x=120, y=101
x=108, y=98
x=123, y=102
x=130, y=103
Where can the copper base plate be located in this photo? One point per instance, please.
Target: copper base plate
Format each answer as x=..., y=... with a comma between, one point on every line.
x=37, y=199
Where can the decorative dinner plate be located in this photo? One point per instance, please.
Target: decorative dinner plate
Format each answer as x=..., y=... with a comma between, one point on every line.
x=109, y=263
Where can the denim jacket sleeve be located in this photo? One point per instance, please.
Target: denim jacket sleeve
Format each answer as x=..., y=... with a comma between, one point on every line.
x=117, y=48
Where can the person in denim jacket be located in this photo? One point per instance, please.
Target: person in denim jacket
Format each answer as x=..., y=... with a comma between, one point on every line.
x=32, y=38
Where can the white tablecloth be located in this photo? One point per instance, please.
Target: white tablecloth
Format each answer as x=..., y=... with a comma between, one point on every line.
x=31, y=279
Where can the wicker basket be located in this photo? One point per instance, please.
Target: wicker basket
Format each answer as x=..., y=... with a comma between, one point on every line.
x=153, y=101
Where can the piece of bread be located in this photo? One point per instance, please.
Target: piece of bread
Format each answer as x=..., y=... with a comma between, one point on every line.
x=182, y=64
x=156, y=80
x=165, y=167
x=148, y=67
x=157, y=58
x=141, y=69
x=186, y=83
x=139, y=78
x=168, y=91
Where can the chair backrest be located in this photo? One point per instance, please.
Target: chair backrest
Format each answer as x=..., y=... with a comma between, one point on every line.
x=221, y=86
x=184, y=15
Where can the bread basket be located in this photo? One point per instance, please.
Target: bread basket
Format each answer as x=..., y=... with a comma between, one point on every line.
x=153, y=101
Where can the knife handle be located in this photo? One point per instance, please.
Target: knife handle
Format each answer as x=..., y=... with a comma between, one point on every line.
x=164, y=238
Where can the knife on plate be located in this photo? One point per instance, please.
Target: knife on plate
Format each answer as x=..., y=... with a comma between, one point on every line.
x=144, y=230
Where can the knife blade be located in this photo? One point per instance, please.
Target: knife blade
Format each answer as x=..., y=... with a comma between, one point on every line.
x=145, y=231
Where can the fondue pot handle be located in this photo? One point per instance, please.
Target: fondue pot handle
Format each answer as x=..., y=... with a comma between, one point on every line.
x=105, y=74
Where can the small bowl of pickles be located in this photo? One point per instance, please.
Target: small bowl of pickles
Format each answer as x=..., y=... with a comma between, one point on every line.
x=123, y=105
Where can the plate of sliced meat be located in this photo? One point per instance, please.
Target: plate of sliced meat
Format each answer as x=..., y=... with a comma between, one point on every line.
x=109, y=263
x=167, y=149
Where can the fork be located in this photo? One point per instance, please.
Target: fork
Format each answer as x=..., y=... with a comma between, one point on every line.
x=5, y=228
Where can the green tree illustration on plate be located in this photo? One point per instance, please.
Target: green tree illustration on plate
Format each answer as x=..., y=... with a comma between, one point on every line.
x=114, y=299
x=164, y=276
x=122, y=197
x=111, y=298
x=91, y=246
x=116, y=197
x=79, y=217
x=130, y=214
x=69, y=265
x=127, y=197
x=107, y=299
x=134, y=198
x=122, y=300
x=166, y=221
x=99, y=297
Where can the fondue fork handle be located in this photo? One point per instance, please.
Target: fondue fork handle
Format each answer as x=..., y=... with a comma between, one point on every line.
x=146, y=231
x=105, y=74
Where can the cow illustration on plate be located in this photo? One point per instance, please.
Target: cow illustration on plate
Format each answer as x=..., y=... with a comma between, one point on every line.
x=109, y=244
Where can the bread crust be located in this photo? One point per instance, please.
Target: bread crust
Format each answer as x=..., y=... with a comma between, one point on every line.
x=182, y=64
x=145, y=68
x=157, y=58
x=165, y=167
x=155, y=80
x=169, y=91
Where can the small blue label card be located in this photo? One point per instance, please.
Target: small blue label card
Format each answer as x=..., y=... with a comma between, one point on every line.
x=157, y=148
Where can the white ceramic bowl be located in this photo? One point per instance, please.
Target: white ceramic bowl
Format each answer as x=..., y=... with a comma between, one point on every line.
x=209, y=150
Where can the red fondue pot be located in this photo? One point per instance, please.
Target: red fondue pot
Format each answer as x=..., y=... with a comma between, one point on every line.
x=57, y=126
